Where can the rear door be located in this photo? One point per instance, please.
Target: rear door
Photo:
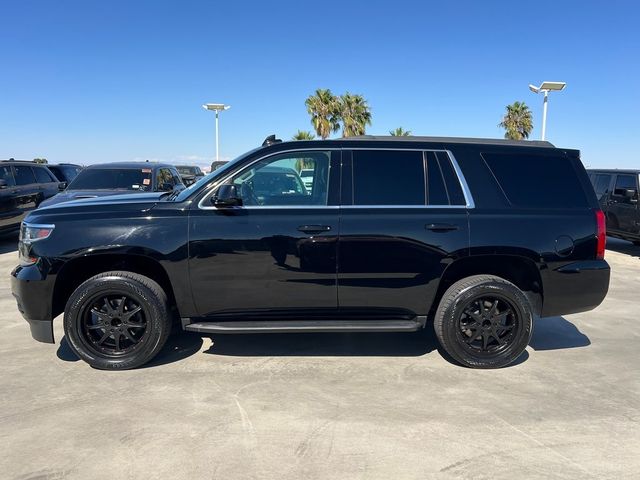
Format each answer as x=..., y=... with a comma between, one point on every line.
x=47, y=183
x=403, y=218
x=26, y=190
x=623, y=209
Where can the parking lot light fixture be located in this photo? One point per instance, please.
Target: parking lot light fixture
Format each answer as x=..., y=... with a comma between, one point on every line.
x=216, y=107
x=545, y=88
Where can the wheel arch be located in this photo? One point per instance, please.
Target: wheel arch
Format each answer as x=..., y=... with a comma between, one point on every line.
x=77, y=270
x=519, y=270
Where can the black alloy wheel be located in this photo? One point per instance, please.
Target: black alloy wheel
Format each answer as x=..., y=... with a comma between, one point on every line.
x=487, y=324
x=484, y=321
x=113, y=324
x=117, y=320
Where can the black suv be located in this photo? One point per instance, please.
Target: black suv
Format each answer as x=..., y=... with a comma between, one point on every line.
x=24, y=186
x=65, y=172
x=617, y=192
x=477, y=236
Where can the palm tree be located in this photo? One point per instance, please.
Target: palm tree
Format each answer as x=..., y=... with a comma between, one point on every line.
x=303, y=135
x=324, y=113
x=355, y=115
x=399, y=132
x=517, y=122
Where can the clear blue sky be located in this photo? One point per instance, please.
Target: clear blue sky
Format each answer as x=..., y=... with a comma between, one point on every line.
x=88, y=81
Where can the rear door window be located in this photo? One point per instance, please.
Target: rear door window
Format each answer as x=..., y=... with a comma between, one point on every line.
x=24, y=175
x=7, y=175
x=537, y=181
x=388, y=177
x=601, y=184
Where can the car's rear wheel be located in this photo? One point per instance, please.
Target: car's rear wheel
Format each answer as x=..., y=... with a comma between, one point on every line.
x=117, y=320
x=484, y=321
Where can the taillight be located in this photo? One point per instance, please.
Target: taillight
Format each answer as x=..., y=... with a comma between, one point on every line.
x=601, y=234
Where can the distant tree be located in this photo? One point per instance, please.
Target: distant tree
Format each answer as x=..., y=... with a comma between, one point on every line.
x=303, y=135
x=517, y=121
x=40, y=160
x=323, y=108
x=355, y=114
x=400, y=132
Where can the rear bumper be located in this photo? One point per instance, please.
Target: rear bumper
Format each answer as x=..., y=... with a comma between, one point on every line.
x=33, y=293
x=575, y=287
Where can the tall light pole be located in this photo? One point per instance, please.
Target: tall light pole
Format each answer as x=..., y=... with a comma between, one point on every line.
x=216, y=107
x=545, y=88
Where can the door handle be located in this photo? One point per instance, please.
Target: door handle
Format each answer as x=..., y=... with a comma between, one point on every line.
x=441, y=227
x=314, y=228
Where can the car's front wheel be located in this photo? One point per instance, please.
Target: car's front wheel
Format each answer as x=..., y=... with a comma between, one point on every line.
x=117, y=320
x=484, y=321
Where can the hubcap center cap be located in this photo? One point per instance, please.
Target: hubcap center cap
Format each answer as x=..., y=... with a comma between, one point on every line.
x=116, y=322
x=486, y=323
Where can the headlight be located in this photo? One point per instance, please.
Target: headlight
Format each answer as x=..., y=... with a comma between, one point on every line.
x=31, y=232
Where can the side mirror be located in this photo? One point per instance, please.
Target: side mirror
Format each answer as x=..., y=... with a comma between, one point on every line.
x=3, y=183
x=166, y=187
x=62, y=186
x=631, y=194
x=226, y=196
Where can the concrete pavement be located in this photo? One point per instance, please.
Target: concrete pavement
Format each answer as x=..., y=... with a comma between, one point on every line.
x=339, y=406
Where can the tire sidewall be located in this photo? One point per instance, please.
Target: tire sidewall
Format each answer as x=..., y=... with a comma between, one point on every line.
x=155, y=312
x=518, y=344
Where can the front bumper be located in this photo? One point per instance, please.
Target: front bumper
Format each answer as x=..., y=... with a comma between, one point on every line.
x=33, y=292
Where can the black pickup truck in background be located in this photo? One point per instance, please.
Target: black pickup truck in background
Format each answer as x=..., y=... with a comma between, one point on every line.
x=390, y=234
x=617, y=192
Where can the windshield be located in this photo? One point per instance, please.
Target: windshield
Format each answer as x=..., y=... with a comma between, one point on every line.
x=138, y=179
x=211, y=177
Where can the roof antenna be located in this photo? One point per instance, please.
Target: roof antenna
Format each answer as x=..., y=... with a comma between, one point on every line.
x=270, y=140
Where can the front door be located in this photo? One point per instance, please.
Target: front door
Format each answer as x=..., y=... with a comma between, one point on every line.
x=276, y=254
x=623, y=208
x=403, y=220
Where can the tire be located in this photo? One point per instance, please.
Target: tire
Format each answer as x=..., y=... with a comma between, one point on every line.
x=475, y=335
x=117, y=320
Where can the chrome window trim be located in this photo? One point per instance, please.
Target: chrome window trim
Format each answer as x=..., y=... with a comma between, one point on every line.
x=463, y=182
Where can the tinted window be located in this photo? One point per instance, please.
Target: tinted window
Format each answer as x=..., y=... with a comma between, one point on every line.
x=456, y=197
x=164, y=176
x=24, y=175
x=112, y=179
x=65, y=173
x=537, y=181
x=388, y=178
x=601, y=184
x=275, y=181
x=625, y=182
x=187, y=170
x=7, y=175
x=42, y=176
x=436, y=191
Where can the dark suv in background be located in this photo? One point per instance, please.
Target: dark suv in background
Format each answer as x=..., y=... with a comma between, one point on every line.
x=24, y=186
x=102, y=180
x=617, y=192
x=392, y=233
x=65, y=172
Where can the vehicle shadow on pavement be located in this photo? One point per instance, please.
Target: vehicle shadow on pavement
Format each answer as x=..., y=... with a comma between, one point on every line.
x=623, y=246
x=178, y=347
x=325, y=344
x=556, y=333
x=8, y=243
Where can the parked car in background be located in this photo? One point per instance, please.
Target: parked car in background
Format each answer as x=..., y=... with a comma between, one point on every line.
x=475, y=237
x=120, y=177
x=217, y=164
x=617, y=192
x=306, y=174
x=190, y=173
x=24, y=186
x=65, y=172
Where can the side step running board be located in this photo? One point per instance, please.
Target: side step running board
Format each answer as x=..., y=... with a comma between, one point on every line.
x=293, y=326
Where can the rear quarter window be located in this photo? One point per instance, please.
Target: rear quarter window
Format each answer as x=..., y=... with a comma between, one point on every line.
x=537, y=181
